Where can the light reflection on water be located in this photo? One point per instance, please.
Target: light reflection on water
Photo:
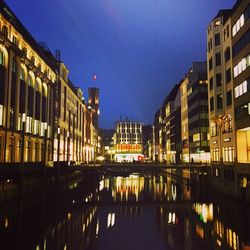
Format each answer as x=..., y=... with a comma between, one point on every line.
x=151, y=211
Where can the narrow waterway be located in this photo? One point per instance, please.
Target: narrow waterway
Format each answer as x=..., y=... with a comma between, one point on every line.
x=153, y=210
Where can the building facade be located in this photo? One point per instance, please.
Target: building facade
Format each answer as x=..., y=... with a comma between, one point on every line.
x=198, y=122
x=128, y=141
x=43, y=117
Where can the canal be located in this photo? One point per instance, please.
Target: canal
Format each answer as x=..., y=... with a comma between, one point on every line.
x=150, y=210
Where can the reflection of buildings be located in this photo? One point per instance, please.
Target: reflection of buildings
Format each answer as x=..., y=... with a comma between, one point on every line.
x=128, y=141
x=38, y=102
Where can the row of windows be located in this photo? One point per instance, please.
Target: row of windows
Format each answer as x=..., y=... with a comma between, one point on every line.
x=241, y=21
x=241, y=66
x=220, y=100
x=128, y=125
x=226, y=126
x=218, y=79
x=227, y=56
x=242, y=88
x=242, y=43
x=228, y=154
x=32, y=58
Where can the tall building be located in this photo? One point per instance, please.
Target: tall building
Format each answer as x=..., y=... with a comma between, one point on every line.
x=221, y=105
x=198, y=122
x=241, y=78
x=27, y=77
x=43, y=116
x=228, y=51
x=128, y=141
x=184, y=121
x=168, y=128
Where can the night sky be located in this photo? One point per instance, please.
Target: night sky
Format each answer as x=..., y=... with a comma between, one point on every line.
x=137, y=48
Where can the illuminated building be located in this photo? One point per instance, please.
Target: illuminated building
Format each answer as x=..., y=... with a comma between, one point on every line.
x=168, y=128
x=128, y=141
x=39, y=103
x=229, y=110
x=241, y=79
x=26, y=82
x=184, y=121
x=221, y=105
x=198, y=124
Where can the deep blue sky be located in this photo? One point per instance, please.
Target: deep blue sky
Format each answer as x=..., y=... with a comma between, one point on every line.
x=138, y=48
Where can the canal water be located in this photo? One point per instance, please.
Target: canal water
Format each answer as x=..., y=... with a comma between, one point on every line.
x=135, y=211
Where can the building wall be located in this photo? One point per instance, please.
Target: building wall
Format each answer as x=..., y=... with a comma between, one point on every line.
x=39, y=103
x=221, y=114
x=128, y=139
x=241, y=78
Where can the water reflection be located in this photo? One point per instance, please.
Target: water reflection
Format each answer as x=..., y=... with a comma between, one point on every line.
x=150, y=211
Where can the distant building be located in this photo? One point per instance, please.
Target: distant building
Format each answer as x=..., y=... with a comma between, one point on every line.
x=128, y=141
x=147, y=138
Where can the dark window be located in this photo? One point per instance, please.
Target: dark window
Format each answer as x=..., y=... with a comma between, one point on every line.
x=217, y=59
x=5, y=31
x=229, y=98
x=228, y=75
x=210, y=63
x=38, y=105
x=211, y=83
x=218, y=80
x=242, y=111
x=22, y=97
x=227, y=54
x=211, y=104
x=30, y=101
x=217, y=39
x=219, y=101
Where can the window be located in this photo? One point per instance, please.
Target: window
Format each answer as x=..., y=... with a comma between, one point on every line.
x=216, y=154
x=214, y=129
x=210, y=63
x=2, y=58
x=13, y=65
x=217, y=59
x=241, y=44
x=218, y=80
x=211, y=83
x=15, y=41
x=242, y=111
x=217, y=39
x=228, y=154
x=227, y=54
x=22, y=74
x=242, y=65
x=229, y=98
x=211, y=104
x=228, y=75
x=219, y=101
x=5, y=31
x=242, y=88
